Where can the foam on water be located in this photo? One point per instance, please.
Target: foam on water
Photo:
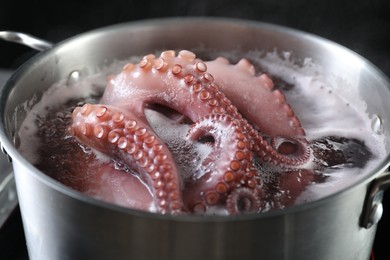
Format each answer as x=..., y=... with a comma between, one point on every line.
x=327, y=105
x=57, y=95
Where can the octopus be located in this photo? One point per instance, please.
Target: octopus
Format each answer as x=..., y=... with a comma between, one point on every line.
x=243, y=121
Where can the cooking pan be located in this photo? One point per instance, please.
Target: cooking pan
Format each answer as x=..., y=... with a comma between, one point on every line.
x=61, y=223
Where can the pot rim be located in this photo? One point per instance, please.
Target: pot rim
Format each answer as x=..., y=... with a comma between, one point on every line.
x=11, y=150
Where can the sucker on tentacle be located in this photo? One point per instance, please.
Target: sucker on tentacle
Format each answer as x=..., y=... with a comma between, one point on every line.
x=243, y=200
x=292, y=151
x=120, y=134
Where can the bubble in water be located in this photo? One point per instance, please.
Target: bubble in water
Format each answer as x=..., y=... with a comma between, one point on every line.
x=73, y=77
x=376, y=124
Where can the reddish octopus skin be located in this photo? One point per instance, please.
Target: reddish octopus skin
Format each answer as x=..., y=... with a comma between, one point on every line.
x=120, y=134
x=268, y=110
x=180, y=82
x=291, y=184
x=120, y=187
x=183, y=83
x=104, y=182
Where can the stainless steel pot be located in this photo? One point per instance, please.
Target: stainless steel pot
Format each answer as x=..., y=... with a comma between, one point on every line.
x=63, y=224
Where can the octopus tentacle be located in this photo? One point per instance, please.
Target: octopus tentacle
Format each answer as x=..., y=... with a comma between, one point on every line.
x=290, y=185
x=233, y=168
x=238, y=114
x=268, y=109
x=123, y=135
x=243, y=200
x=286, y=152
x=180, y=82
x=267, y=112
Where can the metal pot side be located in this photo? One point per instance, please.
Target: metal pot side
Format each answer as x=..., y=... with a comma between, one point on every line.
x=63, y=224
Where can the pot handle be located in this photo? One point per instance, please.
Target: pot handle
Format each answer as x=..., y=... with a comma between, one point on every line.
x=373, y=208
x=26, y=39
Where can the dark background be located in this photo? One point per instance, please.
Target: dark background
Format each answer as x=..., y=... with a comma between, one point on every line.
x=361, y=25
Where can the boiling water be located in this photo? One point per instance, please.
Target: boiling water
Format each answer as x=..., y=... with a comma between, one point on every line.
x=335, y=121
